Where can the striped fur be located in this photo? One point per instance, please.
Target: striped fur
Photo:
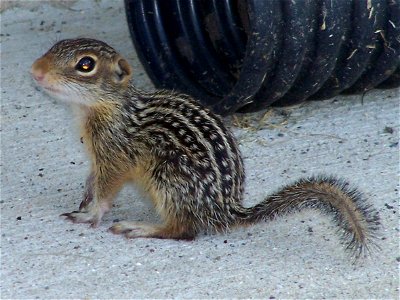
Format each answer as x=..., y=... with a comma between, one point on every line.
x=181, y=154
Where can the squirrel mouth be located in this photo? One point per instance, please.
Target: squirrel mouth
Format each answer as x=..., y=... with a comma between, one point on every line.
x=51, y=89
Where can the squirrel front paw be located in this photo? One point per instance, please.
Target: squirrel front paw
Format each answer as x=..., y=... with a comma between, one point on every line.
x=83, y=217
x=92, y=215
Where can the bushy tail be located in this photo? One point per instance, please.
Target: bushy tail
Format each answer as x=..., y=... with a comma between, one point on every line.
x=357, y=219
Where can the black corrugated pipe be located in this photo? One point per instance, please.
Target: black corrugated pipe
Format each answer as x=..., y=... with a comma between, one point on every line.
x=244, y=55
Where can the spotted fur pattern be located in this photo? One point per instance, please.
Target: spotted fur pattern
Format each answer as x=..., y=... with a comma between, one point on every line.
x=180, y=154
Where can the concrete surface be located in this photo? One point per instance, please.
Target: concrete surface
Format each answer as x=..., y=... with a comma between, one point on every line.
x=44, y=166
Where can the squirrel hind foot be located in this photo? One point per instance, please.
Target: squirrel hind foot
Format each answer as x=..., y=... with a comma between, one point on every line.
x=143, y=230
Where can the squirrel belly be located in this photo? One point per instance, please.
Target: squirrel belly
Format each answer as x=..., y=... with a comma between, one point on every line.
x=178, y=152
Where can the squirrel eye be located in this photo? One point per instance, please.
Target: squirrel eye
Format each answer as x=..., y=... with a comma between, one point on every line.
x=85, y=64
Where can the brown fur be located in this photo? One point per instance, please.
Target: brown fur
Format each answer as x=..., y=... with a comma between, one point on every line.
x=178, y=151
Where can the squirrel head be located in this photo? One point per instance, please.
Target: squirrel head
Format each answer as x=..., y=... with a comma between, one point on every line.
x=82, y=71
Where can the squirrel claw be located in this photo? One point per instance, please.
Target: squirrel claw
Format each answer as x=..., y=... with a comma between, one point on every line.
x=68, y=214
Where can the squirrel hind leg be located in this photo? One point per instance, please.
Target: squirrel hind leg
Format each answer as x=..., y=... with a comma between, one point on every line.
x=143, y=230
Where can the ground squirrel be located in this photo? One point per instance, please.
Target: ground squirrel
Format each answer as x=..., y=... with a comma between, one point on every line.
x=178, y=151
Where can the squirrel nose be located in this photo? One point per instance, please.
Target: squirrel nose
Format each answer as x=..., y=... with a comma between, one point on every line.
x=39, y=69
x=38, y=76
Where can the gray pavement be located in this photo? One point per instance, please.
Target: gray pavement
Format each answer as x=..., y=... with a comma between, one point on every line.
x=43, y=168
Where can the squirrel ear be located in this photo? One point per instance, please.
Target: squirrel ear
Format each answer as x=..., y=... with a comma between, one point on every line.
x=123, y=71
